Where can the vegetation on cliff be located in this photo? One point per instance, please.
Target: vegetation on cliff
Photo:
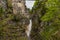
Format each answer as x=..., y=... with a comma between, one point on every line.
x=45, y=16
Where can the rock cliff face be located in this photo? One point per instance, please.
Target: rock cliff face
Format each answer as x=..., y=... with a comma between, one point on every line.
x=15, y=21
x=19, y=7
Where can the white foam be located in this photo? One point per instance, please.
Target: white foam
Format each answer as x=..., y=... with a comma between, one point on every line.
x=29, y=27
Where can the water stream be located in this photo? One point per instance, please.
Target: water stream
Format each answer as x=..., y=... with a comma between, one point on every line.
x=29, y=27
x=29, y=4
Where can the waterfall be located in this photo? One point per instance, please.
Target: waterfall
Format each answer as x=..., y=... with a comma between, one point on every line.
x=29, y=27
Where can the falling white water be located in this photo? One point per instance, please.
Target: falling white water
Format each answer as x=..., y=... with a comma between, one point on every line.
x=29, y=27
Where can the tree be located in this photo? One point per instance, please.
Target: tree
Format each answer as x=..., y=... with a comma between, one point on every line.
x=52, y=18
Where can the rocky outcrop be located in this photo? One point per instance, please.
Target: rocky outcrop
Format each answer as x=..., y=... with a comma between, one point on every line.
x=16, y=20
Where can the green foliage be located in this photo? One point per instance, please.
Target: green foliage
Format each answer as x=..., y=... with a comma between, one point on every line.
x=44, y=12
x=52, y=11
x=49, y=13
x=1, y=10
